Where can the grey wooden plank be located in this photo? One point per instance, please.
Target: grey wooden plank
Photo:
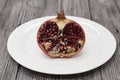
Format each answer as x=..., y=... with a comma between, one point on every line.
x=24, y=74
x=8, y=67
x=107, y=13
x=2, y=5
x=78, y=8
x=117, y=2
x=10, y=70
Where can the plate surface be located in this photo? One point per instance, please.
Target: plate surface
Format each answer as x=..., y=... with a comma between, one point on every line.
x=99, y=47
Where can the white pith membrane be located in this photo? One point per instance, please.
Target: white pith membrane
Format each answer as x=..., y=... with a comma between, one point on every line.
x=60, y=49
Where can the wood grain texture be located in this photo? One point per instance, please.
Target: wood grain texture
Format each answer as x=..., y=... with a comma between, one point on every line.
x=8, y=67
x=16, y=12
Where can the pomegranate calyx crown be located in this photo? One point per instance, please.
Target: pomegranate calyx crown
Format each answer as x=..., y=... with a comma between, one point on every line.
x=61, y=15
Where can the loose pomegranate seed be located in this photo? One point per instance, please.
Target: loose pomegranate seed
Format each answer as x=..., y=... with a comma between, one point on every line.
x=49, y=29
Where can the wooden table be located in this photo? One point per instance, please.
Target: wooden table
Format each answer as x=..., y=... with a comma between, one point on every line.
x=16, y=12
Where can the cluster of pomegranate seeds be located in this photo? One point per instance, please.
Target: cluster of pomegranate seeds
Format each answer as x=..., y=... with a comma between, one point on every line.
x=49, y=29
x=72, y=33
x=73, y=30
x=54, y=41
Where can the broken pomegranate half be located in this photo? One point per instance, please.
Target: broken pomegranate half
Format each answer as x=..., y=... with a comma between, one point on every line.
x=61, y=37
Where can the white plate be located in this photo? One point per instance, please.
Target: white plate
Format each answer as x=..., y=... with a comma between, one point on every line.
x=99, y=47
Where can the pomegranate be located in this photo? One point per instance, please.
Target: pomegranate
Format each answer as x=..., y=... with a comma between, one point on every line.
x=61, y=37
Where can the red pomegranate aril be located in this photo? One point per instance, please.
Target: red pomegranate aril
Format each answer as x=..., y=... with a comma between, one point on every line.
x=61, y=37
x=61, y=47
x=77, y=46
x=54, y=41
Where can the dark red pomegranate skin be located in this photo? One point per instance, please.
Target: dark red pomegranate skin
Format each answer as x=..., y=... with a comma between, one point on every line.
x=61, y=37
